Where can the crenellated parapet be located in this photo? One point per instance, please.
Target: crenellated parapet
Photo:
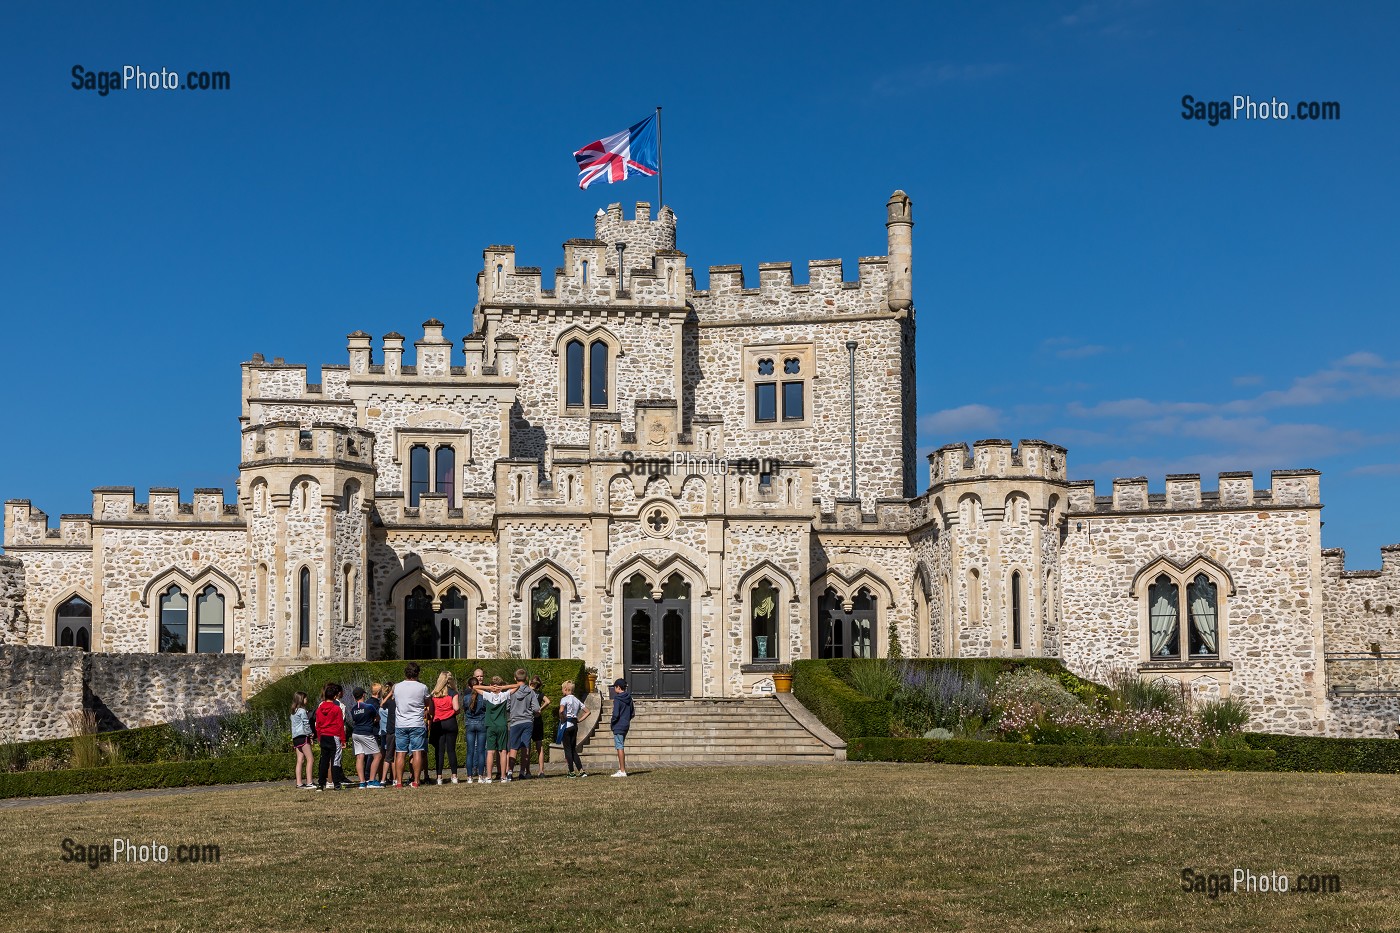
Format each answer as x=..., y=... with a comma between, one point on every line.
x=997, y=458
x=826, y=296
x=634, y=262
x=1236, y=490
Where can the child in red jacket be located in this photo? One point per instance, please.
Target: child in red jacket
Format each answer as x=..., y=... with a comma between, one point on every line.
x=330, y=731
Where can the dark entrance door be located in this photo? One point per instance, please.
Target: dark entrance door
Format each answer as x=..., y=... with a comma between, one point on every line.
x=843, y=633
x=656, y=638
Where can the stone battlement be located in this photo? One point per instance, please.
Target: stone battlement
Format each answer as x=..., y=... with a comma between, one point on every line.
x=653, y=271
x=27, y=526
x=997, y=458
x=826, y=295
x=273, y=385
x=1288, y=488
x=1334, y=564
x=283, y=442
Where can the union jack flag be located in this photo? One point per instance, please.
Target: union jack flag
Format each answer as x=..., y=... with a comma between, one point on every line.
x=615, y=157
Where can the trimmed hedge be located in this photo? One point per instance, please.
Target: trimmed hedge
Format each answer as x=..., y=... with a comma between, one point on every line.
x=1318, y=753
x=972, y=752
x=817, y=686
x=138, y=746
x=140, y=777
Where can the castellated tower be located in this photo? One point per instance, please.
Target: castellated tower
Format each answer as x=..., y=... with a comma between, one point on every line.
x=997, y=556
x=307, y=490
x=899, y=227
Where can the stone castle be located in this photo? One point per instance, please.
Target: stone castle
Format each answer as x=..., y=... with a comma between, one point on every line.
x=689, y=488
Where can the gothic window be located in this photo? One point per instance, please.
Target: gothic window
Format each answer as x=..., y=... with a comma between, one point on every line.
x=73, y=623
x=304, y=608
x=573, y=369
x=1164, y=615
x=209, y=621
x=598, y=374
x=445, y=475
x=1202, y=608
x=174, y=620
x=420, y=632
x=763, y=621
x=637, y=587
x=1183, y=617
x=452, y=624
x=1016, y=609
x=847, y=633
x=418, y=475
x=544, y=620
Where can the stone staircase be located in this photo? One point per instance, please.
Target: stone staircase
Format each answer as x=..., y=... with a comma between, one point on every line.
x=763, y=730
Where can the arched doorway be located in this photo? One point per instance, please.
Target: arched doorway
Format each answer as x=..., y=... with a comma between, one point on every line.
x=420, y=630
x=656, y=637
x=451, y=624
x=846, y=633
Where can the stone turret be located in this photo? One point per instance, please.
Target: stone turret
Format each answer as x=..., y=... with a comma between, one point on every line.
x=900, y=227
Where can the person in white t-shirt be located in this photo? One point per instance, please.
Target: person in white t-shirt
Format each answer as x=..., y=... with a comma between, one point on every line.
x=410, y=725
x=571, y=710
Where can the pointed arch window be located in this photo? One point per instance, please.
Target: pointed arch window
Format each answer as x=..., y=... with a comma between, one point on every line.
x=573, y=378
x=452, y=624
x=174, y=621
x=418, y=473
x=304, y=608
x=1183, y=617
x=73, y=623
x=1016, y=609
x=763, y=621
x=545, y=609
x=209, y=621
x=587, y=375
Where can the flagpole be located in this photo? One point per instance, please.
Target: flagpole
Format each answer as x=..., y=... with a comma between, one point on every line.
x=659, y=200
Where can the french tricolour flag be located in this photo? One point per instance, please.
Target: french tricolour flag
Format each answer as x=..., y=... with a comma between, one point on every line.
x=616, y=157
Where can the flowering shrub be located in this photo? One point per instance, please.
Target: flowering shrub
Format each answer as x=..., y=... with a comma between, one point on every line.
x=1029, y=686
x=940, y=698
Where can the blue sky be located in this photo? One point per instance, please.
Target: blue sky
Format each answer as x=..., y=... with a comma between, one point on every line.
x=1156, y=294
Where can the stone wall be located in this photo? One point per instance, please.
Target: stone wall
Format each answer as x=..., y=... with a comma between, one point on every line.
x=131, y=690
x=14, y=621
x=1361, y=607
x=1267, y=560
x=40, y=690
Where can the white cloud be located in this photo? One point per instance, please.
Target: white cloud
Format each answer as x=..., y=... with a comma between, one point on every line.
x=965, y=419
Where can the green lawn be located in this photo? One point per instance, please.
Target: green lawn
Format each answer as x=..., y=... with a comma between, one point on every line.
x=859, y=846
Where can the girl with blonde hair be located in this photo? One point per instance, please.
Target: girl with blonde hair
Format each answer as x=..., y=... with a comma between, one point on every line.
x=442, y=733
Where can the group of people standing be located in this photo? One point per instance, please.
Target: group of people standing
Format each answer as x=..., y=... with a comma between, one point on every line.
x=392, y=725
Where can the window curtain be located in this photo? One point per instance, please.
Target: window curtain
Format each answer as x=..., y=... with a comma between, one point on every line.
x=1163, y=616
x=1201, y=596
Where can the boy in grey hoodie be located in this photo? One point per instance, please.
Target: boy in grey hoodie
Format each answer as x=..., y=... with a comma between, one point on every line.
x=520, y=715
x=622, y=713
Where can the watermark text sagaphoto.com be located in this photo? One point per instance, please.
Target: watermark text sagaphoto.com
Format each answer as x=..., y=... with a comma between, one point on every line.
x=1244, y=107
x=133, y=852
x=1247, y=881
x=134, y=77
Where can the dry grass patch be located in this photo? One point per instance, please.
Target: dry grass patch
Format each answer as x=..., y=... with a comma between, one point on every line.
x=910, y=847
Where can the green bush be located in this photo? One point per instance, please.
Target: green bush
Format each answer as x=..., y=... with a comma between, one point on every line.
x=134, y=746
x=1316, y=753
x=831, y=699
x=1224, y=717
x=971, y=752
x=138, y=777
x=1032, y=687
x=873, y=678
